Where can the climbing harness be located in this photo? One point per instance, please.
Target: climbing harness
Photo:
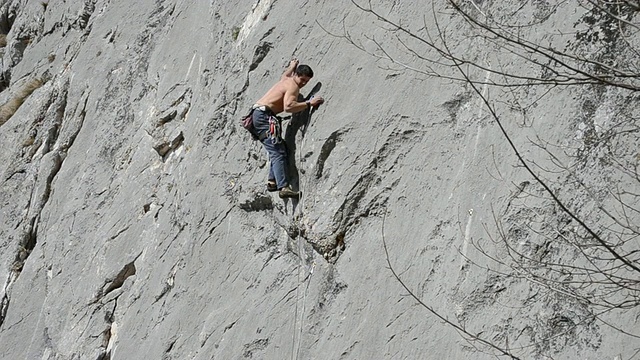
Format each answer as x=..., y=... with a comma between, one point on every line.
x=275, y=124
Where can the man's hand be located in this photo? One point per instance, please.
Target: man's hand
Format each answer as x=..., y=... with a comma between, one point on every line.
x=293, y=64
x=316, y=101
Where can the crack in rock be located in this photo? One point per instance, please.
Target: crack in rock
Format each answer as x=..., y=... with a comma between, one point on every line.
x=169, y=283
x=254, y=346
x=178, y=109
x=84, y=15
x=49, y=165
x=325, y=151
x=259, y=54
x=109, y=334
x=165, y=149
x=4, y=307
x=117, y=281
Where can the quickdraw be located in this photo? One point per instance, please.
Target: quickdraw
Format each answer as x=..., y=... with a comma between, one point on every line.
x=275, y=129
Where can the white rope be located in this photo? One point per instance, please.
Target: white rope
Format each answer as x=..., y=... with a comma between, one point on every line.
x=304, y=302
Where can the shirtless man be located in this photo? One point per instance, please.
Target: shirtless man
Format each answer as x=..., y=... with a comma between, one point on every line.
x=283, y=96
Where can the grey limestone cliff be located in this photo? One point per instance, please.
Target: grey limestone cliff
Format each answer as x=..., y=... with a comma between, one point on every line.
x=491, y=146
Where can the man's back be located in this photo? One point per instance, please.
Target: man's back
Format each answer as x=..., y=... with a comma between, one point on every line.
x=274, y=98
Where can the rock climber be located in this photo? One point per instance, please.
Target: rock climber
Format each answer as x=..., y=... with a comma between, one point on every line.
x=283, y=96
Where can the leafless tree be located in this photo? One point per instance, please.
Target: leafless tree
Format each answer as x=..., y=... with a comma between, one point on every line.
x=579, y=238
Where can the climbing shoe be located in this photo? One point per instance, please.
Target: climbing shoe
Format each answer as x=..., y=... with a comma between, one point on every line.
x=287, y=192
x=271, y=186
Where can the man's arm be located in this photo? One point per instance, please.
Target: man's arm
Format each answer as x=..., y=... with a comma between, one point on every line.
x=291, y=69
x=291, y=104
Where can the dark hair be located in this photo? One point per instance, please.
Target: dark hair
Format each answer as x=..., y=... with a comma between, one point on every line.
x=304, y=70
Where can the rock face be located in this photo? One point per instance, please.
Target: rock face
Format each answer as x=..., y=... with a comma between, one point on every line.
x=136, y=225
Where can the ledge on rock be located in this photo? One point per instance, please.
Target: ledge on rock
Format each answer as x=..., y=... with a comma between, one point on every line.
x=255, y=202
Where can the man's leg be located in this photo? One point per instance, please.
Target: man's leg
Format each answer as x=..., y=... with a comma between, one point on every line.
x=271, y=180
x=278, y=158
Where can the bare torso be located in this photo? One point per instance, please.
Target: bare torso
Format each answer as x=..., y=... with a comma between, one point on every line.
x=274, y=98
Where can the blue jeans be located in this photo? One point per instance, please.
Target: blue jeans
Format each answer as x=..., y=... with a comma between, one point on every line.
x=277, y=152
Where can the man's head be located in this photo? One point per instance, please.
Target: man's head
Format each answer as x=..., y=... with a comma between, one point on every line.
x=303, y=75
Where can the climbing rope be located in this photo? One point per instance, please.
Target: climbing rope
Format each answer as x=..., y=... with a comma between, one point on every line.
x=297, y=334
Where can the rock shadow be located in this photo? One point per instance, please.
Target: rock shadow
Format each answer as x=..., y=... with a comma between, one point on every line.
x=299, y=123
